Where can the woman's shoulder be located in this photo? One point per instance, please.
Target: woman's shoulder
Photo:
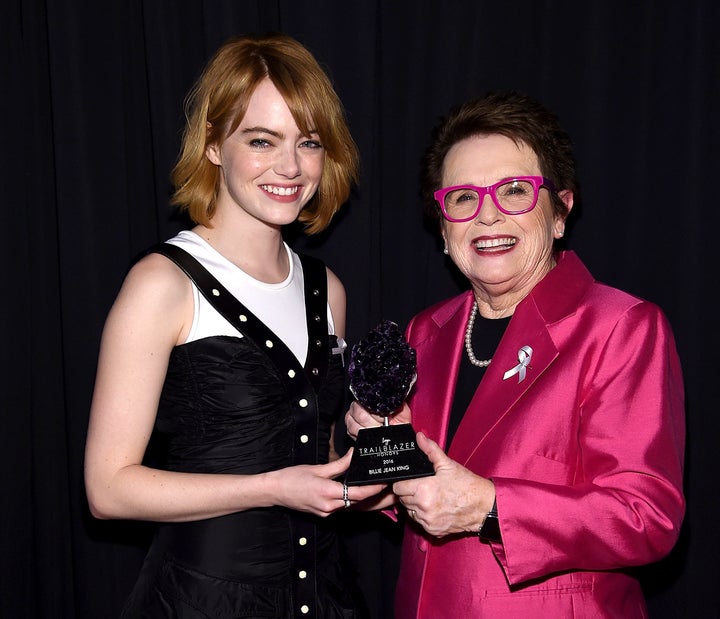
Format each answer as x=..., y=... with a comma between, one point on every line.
x=444, y=309
x=612, y=305
x=433, y=318
x=571, y=287
x=602, y=308
x=155, y=280
x=154, y=305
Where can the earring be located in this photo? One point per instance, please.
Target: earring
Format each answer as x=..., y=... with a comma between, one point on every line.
x=445, y=251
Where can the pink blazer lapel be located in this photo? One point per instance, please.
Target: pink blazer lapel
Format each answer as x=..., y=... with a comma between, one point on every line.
x=506, y=380
x=438, y=370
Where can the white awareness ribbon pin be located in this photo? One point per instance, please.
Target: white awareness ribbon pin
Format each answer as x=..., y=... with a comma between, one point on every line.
x=524, y=357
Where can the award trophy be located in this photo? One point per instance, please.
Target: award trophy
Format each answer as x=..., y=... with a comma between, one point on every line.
x=382, y=371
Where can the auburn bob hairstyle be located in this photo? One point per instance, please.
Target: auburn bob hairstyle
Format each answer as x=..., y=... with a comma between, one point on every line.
x=216, y=104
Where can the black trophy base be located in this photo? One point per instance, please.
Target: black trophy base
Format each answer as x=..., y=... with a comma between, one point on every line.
x=385, y=455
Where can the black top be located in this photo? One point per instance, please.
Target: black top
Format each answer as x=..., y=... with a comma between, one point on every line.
x=486, y=337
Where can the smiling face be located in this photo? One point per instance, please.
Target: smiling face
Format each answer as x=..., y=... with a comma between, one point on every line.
x=503, y=256
x=268, y=169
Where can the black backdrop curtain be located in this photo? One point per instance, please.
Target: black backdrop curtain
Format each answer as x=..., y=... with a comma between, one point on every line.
x=92, y=102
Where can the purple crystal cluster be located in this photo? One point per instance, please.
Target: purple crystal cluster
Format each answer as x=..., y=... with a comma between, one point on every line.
x=382, y=369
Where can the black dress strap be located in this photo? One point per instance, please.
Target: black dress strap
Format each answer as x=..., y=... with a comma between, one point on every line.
x=316, y=300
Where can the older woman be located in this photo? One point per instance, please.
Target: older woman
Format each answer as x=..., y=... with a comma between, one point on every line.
x=558, y=399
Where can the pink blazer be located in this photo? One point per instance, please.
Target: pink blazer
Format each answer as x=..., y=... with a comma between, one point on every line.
x=586, y=453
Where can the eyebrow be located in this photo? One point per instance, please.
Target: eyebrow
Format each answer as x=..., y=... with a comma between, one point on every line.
x=276, y=134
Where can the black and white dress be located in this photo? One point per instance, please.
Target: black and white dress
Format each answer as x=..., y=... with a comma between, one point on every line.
x=243, y=403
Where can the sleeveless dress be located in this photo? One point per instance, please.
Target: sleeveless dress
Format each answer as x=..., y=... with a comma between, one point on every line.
x=245, y=405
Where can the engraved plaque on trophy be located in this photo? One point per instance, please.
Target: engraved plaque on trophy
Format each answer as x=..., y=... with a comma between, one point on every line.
x=382, y=371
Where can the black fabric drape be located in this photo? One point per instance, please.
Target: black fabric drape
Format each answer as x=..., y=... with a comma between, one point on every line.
x=92, y=105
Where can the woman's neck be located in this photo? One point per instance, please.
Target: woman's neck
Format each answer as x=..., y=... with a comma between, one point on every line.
x=500, y=300
x=261, y=255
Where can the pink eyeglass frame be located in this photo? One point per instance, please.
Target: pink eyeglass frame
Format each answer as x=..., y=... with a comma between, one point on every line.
x=538, y=182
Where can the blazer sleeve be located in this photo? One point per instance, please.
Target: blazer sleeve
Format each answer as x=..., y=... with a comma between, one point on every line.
x=624, y=504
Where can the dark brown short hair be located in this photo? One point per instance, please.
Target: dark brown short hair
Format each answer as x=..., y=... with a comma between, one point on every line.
x=514, y=115
x=218, y=101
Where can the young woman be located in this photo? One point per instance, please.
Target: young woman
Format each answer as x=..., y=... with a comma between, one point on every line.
x=226, y=347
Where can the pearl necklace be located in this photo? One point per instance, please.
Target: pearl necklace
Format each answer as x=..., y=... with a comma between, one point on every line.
x=483, y=363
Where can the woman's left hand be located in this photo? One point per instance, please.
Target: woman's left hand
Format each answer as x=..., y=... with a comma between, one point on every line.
x=454, y=500
x=314, y=488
